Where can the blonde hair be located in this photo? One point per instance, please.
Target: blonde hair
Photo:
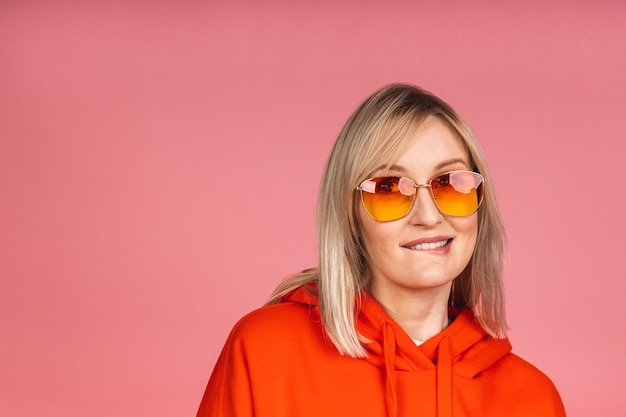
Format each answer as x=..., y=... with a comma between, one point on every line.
x=376, y=134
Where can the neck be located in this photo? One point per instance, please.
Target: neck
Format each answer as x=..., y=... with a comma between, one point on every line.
x=421, y=313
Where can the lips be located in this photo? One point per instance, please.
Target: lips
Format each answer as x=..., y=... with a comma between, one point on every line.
x=428, y=243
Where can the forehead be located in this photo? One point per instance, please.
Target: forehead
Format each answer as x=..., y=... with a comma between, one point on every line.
x=432, y=144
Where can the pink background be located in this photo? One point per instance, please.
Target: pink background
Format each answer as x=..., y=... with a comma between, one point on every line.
x=159, y=163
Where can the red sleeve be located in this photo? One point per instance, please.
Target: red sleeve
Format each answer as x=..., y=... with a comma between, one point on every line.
x=228, y=392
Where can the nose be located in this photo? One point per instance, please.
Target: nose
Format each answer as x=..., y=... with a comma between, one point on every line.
x=424, y=211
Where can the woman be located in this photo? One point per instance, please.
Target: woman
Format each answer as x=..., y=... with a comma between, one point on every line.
x=404, y=315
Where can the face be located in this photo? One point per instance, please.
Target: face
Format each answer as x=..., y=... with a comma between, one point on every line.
x=425, y=250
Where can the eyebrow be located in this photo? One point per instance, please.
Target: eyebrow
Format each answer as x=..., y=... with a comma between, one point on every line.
x=438, y=167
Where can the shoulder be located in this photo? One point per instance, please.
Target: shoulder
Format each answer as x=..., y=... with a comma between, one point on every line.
x=261, y=349
x=277, y=328
x=529, y=386
x=276, y=317
x=522, y=369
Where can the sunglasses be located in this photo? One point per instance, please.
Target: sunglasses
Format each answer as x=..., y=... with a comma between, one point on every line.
x=456, y=193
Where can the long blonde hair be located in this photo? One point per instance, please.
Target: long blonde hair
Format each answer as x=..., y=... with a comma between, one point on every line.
x=376, y=134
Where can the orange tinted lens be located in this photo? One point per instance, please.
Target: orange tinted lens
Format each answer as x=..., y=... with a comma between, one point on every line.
x=387, y=198
x=458, y=193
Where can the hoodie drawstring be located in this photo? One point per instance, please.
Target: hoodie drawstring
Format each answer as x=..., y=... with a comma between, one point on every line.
x=444, y=374
x=444, y=379
x=389, y=350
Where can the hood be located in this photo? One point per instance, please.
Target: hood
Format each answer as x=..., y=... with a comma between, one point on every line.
x=463, y=348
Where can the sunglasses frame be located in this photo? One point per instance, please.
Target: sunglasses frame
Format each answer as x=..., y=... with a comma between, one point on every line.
x=416, y=187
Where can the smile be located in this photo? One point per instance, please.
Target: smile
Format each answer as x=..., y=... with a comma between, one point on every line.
x=430, y=245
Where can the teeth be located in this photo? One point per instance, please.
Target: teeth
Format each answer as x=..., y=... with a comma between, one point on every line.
x=429, y=246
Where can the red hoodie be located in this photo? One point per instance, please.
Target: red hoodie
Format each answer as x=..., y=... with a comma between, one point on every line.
x=278, y=362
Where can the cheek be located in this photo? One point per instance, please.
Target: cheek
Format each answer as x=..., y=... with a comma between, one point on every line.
x=365, y=227
x=374, y=235
x=467, y=227
x=368, y=237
